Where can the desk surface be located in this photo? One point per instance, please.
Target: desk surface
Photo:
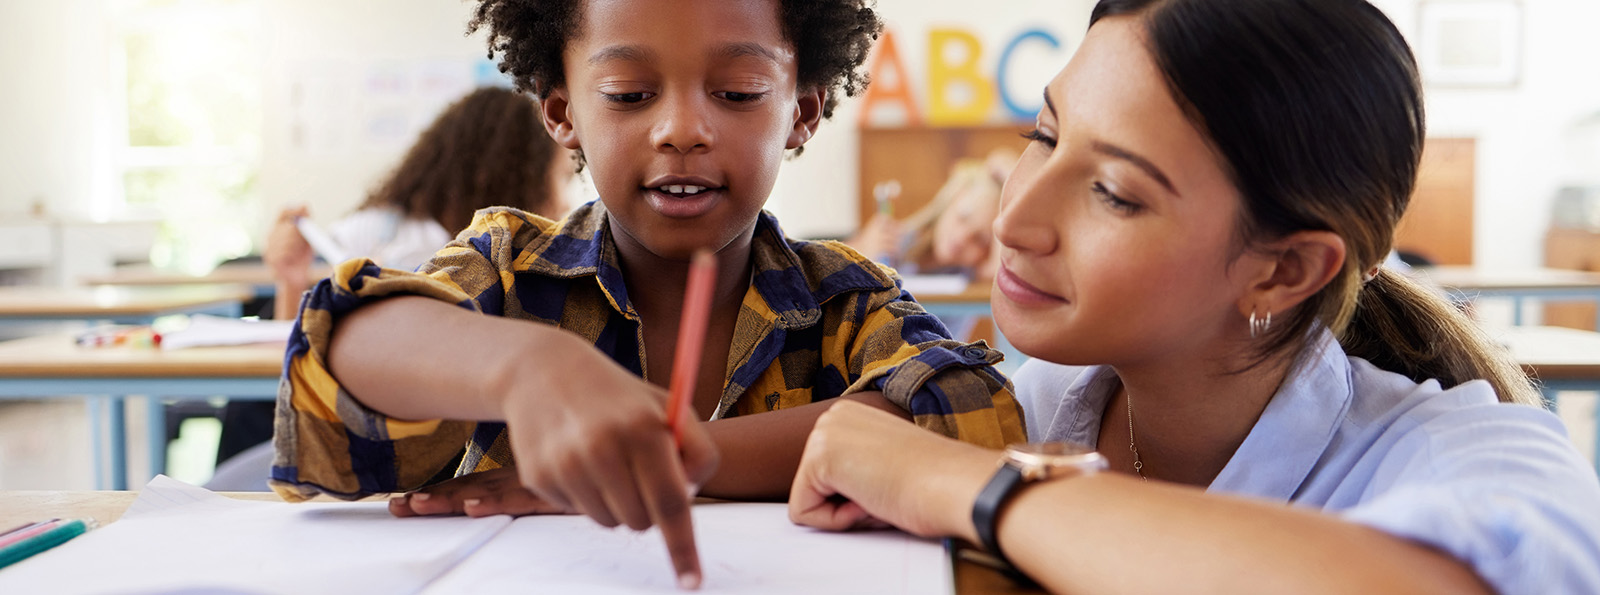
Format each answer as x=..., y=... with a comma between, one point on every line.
x=1554, y=353
x=978, y=291
x=57, y=355
x=84, y=302
x=144, y=274
x=1468, y=278
x=19, y=507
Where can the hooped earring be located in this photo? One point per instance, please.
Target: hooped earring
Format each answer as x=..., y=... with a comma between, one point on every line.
x=1259, y=326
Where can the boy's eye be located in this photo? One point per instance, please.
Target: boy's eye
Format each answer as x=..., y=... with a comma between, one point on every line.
x=626, y=97
x=738, y=97
x=1039, y=136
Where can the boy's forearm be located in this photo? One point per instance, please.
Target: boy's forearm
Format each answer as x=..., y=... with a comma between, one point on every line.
x=412, y=357
x=760, y=453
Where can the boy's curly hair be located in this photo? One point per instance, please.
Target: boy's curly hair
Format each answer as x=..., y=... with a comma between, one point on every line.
x=831, y=39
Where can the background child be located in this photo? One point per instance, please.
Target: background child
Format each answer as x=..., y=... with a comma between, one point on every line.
x=951, y=234
x=488, y=148
x=1210, y=232
x=682, y=111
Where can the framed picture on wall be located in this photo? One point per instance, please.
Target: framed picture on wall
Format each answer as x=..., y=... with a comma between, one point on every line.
x=1472, y=43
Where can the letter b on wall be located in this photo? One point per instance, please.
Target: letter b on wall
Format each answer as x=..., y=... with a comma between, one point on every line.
x=958, y=93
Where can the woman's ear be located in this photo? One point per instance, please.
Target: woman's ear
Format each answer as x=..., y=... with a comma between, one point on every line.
x=553, y=109
x=807, y=115
x=1302, y=264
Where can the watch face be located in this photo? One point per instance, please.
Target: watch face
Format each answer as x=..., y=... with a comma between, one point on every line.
x=1052, y=449
x=1043, y=460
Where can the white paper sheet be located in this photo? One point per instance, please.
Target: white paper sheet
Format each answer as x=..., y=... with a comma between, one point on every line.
x=744, y=548
x=180, y=538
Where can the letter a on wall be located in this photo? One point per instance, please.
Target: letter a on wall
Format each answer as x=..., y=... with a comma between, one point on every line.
x=891, y=85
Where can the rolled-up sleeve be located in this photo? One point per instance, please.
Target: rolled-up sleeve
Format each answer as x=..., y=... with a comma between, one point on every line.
x=327, y=441
x=948, y=386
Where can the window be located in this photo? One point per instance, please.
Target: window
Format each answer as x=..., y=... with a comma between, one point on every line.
x=187, y=125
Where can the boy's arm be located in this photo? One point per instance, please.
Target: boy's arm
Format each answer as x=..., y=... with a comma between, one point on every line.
x=760, y=453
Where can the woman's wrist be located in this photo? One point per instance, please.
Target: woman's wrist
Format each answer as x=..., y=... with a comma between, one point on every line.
x=956, y=491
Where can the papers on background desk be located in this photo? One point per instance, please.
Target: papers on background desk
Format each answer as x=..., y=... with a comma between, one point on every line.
x=935, y=284
x=204, y=330
x=180, y=538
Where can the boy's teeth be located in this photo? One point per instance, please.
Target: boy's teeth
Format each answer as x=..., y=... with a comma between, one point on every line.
x=682, y=189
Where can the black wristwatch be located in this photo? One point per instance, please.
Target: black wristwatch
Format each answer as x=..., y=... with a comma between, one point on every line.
x=1022, y=464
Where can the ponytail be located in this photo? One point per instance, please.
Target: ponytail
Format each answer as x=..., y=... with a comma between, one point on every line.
x=1401, y=326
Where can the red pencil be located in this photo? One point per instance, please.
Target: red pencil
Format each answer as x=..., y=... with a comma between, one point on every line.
x=691, y=338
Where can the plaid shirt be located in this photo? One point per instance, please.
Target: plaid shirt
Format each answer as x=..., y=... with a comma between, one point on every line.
x=818, y=321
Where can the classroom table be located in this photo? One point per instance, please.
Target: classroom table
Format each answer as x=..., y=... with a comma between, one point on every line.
x=18, y=507
x=1465, y=283
x=53, y=366
x=129, y=305
x=255, y=275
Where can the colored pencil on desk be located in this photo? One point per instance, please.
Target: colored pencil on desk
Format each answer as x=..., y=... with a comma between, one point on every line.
x=691, y=338
x=24, y=532
x=59, y=532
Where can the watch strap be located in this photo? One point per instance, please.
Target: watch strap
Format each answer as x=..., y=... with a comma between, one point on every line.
x=986, y=511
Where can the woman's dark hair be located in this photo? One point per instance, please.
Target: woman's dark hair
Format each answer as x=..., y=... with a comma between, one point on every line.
x=487, y=149
x=1316, y=109
x=831, y=39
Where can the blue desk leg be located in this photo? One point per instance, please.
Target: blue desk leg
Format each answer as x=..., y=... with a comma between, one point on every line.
x=97, y=440
x=156, y=416
x=119, y=444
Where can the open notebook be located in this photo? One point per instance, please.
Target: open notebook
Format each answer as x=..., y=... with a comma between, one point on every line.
x=180, y=538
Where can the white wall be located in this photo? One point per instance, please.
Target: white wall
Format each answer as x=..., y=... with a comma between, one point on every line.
x=52, y=72
x=52, y=62
x=321, y=61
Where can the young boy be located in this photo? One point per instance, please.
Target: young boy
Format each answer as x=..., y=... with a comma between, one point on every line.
x=683, y=111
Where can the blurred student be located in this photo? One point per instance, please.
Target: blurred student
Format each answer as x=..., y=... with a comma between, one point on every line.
x=1265, y=408
x=489, y=148
x=951, y=234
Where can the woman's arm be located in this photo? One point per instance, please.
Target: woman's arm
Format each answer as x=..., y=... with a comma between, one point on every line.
x=1105, y=533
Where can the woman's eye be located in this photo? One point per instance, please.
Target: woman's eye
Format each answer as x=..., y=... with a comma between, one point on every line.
x=1115, y=202
x=1039, y=136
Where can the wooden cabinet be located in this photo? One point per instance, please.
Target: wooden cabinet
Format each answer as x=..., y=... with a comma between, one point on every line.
x=1575, y=249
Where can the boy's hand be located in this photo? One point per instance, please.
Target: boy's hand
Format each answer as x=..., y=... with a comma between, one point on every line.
x=588, y=436
x=481, y=494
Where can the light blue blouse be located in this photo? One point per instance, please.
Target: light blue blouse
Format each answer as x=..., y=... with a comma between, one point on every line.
x=1499, y=486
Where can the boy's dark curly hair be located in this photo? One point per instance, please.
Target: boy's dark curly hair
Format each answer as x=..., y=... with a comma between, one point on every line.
x=831, y=39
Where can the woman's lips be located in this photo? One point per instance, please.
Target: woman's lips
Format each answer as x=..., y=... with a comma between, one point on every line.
x=1020, y=292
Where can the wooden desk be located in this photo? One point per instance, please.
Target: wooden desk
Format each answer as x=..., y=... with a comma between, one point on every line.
x=18, y=507
x=1466, y=283
x=135, y=305
x=53, y=366
x=257, y=276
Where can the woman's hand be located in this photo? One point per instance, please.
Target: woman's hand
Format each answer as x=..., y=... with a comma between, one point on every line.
x=485, y=493
x=864, y=468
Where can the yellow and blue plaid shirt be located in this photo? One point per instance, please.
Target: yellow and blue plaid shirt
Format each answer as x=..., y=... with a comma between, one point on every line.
x=818, y=321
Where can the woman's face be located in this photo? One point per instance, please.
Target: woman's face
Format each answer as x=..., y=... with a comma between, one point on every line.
x=1117, y=225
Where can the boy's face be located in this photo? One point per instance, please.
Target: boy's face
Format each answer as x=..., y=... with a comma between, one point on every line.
x=683, y=109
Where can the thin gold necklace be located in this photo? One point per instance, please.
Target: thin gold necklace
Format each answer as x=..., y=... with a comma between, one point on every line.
x=1133, y=445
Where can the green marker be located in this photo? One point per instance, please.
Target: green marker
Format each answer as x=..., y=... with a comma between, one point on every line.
x=61, y=532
